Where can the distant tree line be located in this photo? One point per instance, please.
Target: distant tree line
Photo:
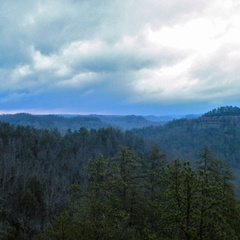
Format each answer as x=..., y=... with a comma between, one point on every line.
x=224, y=111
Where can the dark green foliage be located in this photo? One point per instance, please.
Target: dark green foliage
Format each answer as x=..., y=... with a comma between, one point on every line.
x=183, y=138
x=38, y=166
x=106, y=209
x=104, y=184
x=153, y=166
x=119, y=202
x=217, y=198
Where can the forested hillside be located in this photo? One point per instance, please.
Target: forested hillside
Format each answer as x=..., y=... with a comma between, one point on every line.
x=37, y=168
x=108, y=184
x=183, y=138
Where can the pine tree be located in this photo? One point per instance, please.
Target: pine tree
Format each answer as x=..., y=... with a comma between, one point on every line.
x=180, y=202
x=154, y=186
x=216, y=201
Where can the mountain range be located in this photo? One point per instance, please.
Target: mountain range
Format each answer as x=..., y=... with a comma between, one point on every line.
x=180, y=137
x=74, y=122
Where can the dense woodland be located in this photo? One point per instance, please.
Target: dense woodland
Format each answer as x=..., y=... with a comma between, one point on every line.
x=218, y=129
x=109, y=184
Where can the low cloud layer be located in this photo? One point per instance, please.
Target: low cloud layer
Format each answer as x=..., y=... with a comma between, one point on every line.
x=159, y=52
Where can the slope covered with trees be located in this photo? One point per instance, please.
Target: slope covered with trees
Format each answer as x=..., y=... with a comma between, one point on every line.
x=109, y=184
x=37, y=167
x=183, y=138
x=127, y=198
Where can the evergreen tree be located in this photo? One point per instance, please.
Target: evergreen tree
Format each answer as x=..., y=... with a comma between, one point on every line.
x=180, y=203
x=154, y=186
x=216, y=201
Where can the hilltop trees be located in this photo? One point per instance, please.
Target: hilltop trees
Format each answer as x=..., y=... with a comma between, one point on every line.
x=224, y=111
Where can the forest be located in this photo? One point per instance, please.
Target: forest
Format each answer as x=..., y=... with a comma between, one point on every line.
x=152, y=183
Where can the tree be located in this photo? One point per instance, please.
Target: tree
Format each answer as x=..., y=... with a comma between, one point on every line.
x=108, y=207
x=180, y=202
x=216, y=202
x=154, y=186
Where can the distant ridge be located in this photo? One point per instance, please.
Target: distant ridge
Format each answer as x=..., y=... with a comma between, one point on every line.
x=75, y=122
x=94, y=121
x=223, y=111
x=53, y=121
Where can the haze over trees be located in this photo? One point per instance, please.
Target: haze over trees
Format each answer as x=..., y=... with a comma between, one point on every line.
x=74, y=122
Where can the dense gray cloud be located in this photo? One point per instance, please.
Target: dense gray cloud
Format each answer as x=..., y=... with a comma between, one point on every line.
x=150, y=50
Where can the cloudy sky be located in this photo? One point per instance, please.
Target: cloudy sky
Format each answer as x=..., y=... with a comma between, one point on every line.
x=119, y=56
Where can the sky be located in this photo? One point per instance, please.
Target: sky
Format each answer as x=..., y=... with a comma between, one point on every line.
x=143, y=57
